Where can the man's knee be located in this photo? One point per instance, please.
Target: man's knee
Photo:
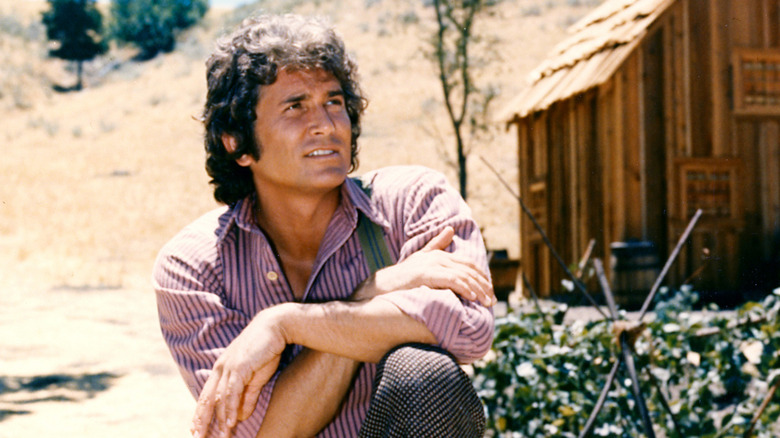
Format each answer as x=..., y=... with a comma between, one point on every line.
x=421, y=368
x=426, y=393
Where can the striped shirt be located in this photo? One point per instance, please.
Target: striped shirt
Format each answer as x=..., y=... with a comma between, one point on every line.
x=220, y=271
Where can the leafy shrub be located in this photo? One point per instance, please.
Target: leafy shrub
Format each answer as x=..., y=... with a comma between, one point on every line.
x=152, y=24
x=542, y=378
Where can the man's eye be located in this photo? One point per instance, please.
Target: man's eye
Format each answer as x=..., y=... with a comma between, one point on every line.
x=294, y=106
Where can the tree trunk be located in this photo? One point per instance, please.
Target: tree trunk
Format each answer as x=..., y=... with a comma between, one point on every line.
x=461, y=165
x=79, y=71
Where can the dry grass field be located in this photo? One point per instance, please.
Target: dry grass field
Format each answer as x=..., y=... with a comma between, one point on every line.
x=93, y=183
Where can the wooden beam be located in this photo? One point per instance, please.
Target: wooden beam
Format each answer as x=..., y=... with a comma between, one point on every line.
x=642, y=140
x=671, y=110
x=571, y=150
x=719, y=80
x=766, y=24
x=669, y=76
x=769, y=154
x=522, y=175
x=687, y=76
x=679, y=81
x=605, y=126
x=632, y=148
x=617, y=164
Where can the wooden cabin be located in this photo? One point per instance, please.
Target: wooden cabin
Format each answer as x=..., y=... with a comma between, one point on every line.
x=651, y=110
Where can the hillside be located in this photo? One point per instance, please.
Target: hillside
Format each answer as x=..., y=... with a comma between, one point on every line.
x=93, y=183
x=131, y=133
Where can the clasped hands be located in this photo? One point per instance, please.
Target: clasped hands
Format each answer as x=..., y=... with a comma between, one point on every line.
x=231, y=392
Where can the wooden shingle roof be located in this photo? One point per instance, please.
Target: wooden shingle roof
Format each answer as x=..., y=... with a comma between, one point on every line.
x=599, y=44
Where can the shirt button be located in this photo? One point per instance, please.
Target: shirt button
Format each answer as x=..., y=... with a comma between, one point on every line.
x=271, y=275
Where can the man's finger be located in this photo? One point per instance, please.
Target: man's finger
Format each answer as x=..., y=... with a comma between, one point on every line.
x=204, y=411
x=483, y=288
x=221, y=400
x=468, y=281
x=233, y=395
x=251, y=395
x=466, y=268
x=441, y=241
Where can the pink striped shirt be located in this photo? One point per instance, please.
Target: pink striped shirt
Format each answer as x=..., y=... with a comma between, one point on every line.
x=220, y=271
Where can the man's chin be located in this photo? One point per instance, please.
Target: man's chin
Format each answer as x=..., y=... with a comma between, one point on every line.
x=326, y=181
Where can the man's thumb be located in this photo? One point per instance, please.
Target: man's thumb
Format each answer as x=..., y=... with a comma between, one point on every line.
x=441, y=241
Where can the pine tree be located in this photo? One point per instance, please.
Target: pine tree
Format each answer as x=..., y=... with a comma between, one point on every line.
x=76, y=27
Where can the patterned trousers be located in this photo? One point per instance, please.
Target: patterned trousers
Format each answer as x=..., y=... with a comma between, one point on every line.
x=420, y=391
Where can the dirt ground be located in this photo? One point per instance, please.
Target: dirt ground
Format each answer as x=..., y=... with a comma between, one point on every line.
x=87, y=363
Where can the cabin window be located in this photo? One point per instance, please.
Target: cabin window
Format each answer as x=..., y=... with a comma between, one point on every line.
x=756, y=81
x=709, y=184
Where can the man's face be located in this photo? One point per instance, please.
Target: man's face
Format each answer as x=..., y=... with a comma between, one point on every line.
x=303, y=133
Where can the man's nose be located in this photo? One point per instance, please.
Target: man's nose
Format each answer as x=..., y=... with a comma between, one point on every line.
x=322, y=121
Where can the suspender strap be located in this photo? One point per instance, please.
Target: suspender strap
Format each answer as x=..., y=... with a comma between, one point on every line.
x=373, y=243
x=372, y=240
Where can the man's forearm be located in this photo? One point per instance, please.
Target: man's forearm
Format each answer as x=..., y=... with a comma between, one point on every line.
x=363, y=331
x=337, y=336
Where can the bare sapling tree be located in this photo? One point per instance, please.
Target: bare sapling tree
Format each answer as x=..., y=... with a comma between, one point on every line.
x=456, y=58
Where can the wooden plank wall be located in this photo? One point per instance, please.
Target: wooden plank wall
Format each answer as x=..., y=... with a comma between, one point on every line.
x=708, y=31
x=592, y=156
x=756, y=24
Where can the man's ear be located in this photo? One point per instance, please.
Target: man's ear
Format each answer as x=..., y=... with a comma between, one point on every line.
x=230, y=144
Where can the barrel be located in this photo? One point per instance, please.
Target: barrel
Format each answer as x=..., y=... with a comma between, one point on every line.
x=635, y=268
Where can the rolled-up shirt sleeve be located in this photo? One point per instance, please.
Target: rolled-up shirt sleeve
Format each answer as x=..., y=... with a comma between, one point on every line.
x=195, y=323
x=462, y=327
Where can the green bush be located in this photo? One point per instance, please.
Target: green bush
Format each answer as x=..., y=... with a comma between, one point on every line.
x=152, y=25
x=542, y=378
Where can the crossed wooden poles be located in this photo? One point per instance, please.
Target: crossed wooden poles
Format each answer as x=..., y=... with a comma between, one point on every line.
x=626, y=358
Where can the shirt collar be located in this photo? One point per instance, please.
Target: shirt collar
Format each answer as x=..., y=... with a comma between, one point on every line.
x=353, y=199
x=360, y=200
x=239, y=214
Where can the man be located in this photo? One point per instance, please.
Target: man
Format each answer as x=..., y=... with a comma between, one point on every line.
x=268, y=305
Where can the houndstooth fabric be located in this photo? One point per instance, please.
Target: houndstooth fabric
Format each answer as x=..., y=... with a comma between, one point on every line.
x=420, y=391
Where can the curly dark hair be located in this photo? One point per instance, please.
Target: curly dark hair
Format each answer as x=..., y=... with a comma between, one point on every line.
x=252, y=57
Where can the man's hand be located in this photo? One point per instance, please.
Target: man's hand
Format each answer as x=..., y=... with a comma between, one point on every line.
x=246, y=365
x=435, y=268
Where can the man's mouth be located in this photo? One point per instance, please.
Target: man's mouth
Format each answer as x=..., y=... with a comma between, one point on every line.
x=321, y=152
